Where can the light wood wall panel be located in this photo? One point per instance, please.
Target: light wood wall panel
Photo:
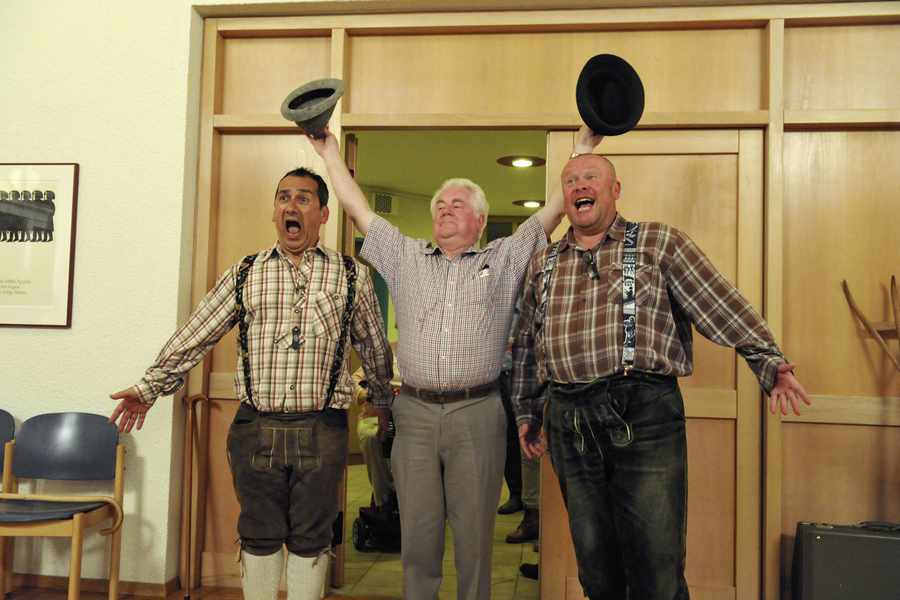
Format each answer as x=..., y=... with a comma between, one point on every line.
x=843, y=67
x=261, y=72
x=841, y=210
x=535, y=72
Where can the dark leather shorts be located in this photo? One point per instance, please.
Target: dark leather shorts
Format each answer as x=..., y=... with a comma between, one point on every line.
x=287, y=469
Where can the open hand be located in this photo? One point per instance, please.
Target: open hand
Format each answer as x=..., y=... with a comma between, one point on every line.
x=130, y=411
x=787, y=390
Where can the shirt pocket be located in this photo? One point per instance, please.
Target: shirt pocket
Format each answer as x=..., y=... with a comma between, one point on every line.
x=646, y=284
x=326, y=311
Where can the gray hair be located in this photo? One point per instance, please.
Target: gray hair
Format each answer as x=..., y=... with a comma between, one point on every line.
x=478, y=199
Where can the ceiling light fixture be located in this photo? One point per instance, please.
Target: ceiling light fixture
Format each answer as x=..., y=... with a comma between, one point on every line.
x=529, y=203
x=521, y=162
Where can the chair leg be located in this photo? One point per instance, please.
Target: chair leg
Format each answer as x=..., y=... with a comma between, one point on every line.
x=75, y=561
x=3, y=568
x=9, y=548
x=115, y=555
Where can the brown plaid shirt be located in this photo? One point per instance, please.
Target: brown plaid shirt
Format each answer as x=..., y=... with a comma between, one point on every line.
x=280, y=298
x=582, y=335
x=453, y=316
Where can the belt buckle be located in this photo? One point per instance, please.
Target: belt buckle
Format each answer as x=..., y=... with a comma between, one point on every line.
x=627, y=370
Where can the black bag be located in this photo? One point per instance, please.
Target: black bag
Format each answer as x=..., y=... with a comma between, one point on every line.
x=846, y=562
x=377, y=530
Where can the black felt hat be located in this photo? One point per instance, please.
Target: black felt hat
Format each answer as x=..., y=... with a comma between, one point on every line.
x=310, y=105
x=610, y=95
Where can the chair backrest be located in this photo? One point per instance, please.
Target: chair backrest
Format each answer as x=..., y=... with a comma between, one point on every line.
x=7, y=431
x=66, y=446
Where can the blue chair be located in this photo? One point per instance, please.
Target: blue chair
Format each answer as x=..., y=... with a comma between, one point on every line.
x=64, y=446
x=7, y=431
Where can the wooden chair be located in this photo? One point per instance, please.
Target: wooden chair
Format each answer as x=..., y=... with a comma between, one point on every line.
x=63, y=446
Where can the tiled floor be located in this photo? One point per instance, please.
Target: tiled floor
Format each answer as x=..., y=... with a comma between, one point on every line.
x=380, y=574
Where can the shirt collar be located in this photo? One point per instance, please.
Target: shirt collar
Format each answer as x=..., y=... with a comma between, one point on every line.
x=275, y=251
x=616, y=231
x=431, y=248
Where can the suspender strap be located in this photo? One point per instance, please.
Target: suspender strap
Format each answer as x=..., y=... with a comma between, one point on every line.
x=239, y=317
x=629, y=306
x=546, y=272
x=350, y=268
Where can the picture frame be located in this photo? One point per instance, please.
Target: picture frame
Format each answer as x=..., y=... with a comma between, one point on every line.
x=38, y=209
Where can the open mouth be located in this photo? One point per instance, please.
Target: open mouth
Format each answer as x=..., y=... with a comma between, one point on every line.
x=583, y=204
x=292, y=226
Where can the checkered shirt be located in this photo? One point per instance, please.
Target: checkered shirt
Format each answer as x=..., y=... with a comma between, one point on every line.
x=453, y=315
x=280, y=298
x=582, y=334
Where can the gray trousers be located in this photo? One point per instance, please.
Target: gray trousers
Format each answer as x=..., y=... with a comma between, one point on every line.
x=448, y=467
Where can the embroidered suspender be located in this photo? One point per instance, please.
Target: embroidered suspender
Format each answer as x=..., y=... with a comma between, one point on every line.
x=545, y=283
x=240, y=319
x=629, y=306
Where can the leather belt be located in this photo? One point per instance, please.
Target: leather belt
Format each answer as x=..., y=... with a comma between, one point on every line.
x=445, y=397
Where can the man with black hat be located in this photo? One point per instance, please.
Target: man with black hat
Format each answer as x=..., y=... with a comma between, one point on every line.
x=604, y=330
x=296, y=305
x=454, y=305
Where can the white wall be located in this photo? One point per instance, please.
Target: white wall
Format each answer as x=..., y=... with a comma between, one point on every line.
x=113, y=86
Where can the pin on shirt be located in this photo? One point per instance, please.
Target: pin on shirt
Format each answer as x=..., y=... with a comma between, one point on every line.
x=485, y=271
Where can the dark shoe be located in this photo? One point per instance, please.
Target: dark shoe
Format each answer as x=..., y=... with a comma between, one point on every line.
x=529, y=570
x=513, y=505
x=528, y=529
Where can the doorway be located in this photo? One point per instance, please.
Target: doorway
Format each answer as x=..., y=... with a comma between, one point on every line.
x=398, y=172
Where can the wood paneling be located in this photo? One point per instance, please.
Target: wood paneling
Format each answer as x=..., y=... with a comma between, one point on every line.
x=535, y=72
x=840, y=219
x=849, y=67
x=260, y=72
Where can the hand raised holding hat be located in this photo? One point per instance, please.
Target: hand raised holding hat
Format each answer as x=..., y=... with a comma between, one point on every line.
x=586, y=140
x=325, y=143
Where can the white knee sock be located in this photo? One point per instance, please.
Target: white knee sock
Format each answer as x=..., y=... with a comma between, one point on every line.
x=306, y=576
x=261, y=575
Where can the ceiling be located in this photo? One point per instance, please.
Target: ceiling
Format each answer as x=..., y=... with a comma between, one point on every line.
x=417, y=162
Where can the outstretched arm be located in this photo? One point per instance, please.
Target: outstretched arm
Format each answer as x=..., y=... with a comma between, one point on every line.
x=552, y=213
x=345, y=187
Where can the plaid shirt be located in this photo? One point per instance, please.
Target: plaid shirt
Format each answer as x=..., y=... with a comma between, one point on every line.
x=581, y=337
x=282, y=299
x=453, y=315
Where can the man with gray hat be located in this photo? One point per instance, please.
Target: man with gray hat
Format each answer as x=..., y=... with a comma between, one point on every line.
x=454, y=304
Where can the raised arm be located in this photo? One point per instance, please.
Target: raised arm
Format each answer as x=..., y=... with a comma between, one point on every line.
x=345, y=187
x=552, y=213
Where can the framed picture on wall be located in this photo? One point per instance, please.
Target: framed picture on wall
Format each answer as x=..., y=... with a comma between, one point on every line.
x=37, y=243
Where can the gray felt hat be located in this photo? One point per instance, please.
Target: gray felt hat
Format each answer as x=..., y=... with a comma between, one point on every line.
x=310, y=105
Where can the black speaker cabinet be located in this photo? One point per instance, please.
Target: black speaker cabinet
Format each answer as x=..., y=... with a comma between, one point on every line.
x=847, y=562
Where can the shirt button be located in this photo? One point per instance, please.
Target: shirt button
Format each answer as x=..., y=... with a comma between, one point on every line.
x=292, y=386
x=296, y=330
x=297, y=310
